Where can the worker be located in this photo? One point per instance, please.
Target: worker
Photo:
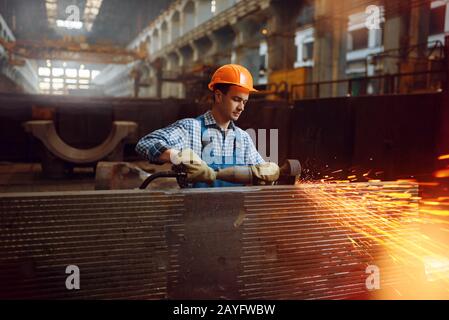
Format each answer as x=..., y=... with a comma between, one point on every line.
x=212, y=141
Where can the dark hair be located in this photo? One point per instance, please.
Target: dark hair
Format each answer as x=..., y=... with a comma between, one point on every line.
x=223, y=87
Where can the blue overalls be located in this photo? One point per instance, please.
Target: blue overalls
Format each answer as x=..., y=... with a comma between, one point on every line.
x=237, y=157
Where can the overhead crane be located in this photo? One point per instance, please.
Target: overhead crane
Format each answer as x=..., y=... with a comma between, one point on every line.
x=70, y=49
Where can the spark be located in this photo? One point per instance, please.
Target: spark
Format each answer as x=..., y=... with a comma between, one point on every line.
x=443, y=173
x=390, y=217
x=443, y=157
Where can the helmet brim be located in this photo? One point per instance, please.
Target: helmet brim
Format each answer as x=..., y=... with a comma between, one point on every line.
x=212, y=84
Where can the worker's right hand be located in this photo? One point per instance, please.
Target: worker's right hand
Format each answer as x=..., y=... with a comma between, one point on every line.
x=197, y=170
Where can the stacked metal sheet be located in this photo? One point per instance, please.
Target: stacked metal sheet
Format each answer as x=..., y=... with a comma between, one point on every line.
x=116, y=239
x=298, y=242
x=319, y=241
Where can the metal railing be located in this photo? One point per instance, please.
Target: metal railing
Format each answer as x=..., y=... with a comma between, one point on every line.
x=413, y=82
x=433, y=51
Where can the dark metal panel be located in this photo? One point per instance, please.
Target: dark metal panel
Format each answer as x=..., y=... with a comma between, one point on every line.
x=210, y=250
x=399, y=134
x=322, y=134
x=264, y=114
x=14, y=142
x=84, y=126
x=395, y=134
x=117, y=241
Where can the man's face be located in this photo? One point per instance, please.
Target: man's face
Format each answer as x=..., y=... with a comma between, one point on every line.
x=232, y=104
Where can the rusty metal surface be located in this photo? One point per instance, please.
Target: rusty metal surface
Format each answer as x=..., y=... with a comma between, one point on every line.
x=229, y=243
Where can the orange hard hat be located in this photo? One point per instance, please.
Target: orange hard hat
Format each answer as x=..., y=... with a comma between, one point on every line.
x=233, y=74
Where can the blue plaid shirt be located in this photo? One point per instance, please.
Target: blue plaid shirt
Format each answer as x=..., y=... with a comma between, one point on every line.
x=186, y=133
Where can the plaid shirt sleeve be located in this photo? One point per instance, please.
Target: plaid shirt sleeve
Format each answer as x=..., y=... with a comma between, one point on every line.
x=178, y=135
x=252, y=156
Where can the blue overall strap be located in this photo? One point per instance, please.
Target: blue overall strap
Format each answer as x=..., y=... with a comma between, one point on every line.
x=238, y=149
x=237, y=157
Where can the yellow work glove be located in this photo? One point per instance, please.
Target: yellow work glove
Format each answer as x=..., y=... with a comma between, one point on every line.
x=267, y=171
x=197, y=170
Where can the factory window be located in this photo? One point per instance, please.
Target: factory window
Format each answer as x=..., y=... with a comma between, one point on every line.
x=72, y=73
x=379, y=39
x=57, y=86
x=436, y=20
x=358, y=39
x=307, y=50
x=64, y=79
x=263, y=62
x=60, y=78
x=84, y=73
x=44, y=72
x=95, y=73
x=262, y=65
x=304, y=47
x=44, y=86
x=57, y=72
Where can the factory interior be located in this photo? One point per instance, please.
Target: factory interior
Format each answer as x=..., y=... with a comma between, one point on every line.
x=350, y=101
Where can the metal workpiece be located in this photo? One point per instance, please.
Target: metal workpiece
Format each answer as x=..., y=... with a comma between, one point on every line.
x=307, y=241
x=58, y=158
x=45, y=131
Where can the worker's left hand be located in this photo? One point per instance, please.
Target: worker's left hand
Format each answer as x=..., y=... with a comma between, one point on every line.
x=267, y=171
x=197, y=170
